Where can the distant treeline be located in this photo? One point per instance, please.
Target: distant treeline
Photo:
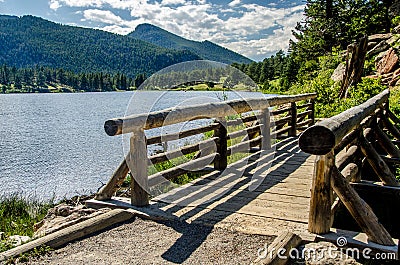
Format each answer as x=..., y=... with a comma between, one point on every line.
x=43, y=79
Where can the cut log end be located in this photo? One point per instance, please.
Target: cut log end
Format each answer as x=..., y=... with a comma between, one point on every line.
x=317, y=140
x=113, y=127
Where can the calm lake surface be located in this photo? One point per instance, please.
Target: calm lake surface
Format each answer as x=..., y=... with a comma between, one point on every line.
x=54, y=145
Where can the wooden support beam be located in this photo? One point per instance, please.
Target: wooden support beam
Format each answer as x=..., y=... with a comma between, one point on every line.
x=346, y=156
x=265, y=120
x=321, y=195
x=393, y=117
x=293, y=122
x=280, y=247
x=376, y=162
x=385, y=142
x=312, y=115
x=114, y=183
x=360, y=210
x=137, y=161
x=390, y=126
x=222, y=145
x=351, y=172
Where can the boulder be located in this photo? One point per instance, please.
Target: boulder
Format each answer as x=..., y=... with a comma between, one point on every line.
x=339, y=73
x=324, y=253
x=388, y=62
x=18, y=240
x=62, y=216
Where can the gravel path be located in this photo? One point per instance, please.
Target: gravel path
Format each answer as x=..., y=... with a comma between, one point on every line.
x=149, y=242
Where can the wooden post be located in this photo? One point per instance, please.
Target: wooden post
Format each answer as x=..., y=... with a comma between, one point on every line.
x=137, y=162
x=312, y=115
x=221, y=162
x=320, y=205
x=360, y=210
x=380, y=167
x=293, y=121
x=265, y=129
x=390, y=126
x=114, y=183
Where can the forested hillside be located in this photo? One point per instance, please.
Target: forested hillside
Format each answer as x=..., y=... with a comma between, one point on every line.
x=30, y=41
x=206, y=49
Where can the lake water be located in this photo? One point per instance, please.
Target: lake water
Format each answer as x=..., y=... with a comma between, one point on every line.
x=54, y=145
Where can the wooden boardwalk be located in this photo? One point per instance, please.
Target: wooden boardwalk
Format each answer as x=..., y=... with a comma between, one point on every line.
x=279, y=202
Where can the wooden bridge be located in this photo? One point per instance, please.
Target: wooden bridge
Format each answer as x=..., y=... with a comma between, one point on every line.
x=253, y=173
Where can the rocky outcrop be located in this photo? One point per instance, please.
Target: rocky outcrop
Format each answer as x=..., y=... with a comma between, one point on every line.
x=64, y=215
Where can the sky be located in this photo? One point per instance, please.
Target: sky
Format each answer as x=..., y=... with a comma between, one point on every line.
x=254, y=28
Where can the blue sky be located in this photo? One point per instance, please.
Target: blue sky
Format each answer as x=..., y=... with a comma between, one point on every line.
x=254, y=28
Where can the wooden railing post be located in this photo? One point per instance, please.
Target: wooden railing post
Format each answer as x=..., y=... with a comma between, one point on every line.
x=312, y=108
x=265, y=129
x=293, y=121
x=221, y=161
x=321, y=195
x=137, y=162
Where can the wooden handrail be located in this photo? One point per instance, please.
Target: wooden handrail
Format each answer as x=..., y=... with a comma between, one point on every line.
x=321, y=138
x=209, y=110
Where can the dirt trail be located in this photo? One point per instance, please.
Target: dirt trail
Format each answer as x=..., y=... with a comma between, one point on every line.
x=149, y=242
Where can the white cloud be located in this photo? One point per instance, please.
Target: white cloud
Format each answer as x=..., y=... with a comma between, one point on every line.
x=173, y=2
x=234, y=3
x=104, y=16
x=201, y=20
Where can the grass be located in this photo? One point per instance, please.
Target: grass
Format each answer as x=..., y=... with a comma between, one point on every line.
x=18, y=214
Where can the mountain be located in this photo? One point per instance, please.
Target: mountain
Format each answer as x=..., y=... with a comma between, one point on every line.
x=205, y=49
x=27, y=41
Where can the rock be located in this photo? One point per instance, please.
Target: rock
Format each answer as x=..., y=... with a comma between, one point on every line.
x=379, y=37
x=324, y=253
x=63, y=216
x=339, y=73
x=388, y=62
x=382, y=46
x=18, y=240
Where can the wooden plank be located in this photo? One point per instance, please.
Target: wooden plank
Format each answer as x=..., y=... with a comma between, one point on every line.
x=277, y=112
x=392, y=129
x=360, y=210
x=244, y=132
x=241, y=121
x=181, y=134
x=286, y=241
x=66, y=235
x=243, y=146
x=321, y=195
x=222, y=145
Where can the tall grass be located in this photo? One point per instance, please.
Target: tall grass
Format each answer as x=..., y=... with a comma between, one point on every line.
x=18, y=214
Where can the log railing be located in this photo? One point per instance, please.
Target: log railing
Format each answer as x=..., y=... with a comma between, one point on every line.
x=344, y=144
x=255, y=122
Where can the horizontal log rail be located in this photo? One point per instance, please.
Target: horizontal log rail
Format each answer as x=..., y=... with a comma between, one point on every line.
x=202, y=111
x=344, y=145
x=238, y=126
